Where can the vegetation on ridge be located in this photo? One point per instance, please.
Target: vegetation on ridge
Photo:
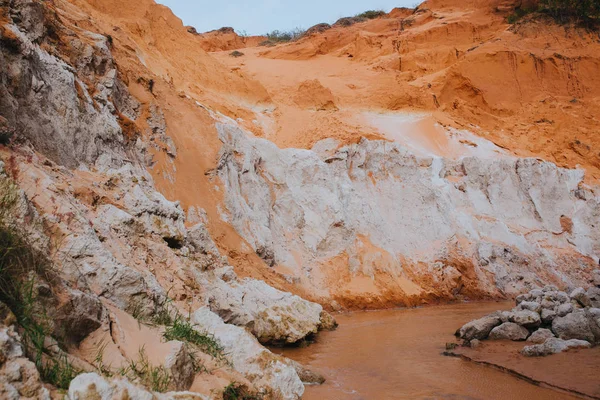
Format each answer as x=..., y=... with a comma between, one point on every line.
x=581, y=12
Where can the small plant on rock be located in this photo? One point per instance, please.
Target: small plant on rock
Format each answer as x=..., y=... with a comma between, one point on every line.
x=372, y=14
x=154, y=378
x=184, y=331
x=235, y=391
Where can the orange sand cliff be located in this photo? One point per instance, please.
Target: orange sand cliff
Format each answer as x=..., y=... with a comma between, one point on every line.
x=530, y=88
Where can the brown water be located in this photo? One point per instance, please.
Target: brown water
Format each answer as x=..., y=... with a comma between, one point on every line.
x=396, y=354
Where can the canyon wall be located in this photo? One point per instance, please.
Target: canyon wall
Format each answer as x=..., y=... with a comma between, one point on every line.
x=373, y=223
x=157, y=188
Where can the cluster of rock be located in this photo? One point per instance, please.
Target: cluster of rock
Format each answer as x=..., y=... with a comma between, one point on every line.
x=551, y=320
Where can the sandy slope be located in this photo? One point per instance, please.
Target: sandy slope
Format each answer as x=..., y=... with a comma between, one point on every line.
x=531, y=88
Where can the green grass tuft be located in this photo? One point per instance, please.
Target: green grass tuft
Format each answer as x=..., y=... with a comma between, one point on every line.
x=184, y=331
x=158, y=379
x=371, y=14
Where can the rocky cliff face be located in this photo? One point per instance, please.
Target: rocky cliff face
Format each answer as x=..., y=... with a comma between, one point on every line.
x=162, y=242
x=116, y=248
x=375, y=221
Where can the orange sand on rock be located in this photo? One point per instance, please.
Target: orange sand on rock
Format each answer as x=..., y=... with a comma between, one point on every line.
x=532, y=89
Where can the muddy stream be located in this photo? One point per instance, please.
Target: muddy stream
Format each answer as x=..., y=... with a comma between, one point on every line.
x=396, y=354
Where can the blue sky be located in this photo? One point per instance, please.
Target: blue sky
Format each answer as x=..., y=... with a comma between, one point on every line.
x=257, y=17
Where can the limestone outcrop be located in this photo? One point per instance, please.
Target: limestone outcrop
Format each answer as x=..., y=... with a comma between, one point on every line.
x=371, y=214
x=271, y=315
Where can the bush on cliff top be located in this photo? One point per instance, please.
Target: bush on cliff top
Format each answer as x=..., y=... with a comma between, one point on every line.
x=582, y=12
x=276, y=37
x=371, y=14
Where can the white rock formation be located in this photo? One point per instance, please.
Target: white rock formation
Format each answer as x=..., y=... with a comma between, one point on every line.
x=94, y=386
x=486, y=226
x=263, y=368
x=270, y=314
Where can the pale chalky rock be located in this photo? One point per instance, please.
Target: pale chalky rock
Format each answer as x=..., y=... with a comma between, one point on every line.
x=564, y=309
x=526, y=318
x=593, y=294
x=93, y=386
x=540, y=336
x=531, y=306
x=509, y=331
x=554, y=346
x=19, y=378
x=581, y=297
x=323, y=208
x=271, y=315
x=573, y=326
x=480, y=328
x=264, y=369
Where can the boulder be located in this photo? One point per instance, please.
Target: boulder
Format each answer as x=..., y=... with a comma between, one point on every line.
x=554, y=346
x=573, y=326
x=264, y=369
x=549, y=288
x=593, y=316
x=540, y=336
x=581, y=297
x=593, y=294
x=509, y=331
x=479, y=328
x=564, y=309
x=596, y=278
x=557, y=297
x=328, y=323
x=536, y=293
x=526, y=318
x=504, y=315
x=548, y=316
x=531, y=306
x=271, y=315
x=306, y=375
x=548, y=304
x=180, y=364
x=523, y=297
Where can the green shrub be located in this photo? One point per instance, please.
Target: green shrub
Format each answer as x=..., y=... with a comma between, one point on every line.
x=372, y=14
x=276, y=37
x=236, y=54
x=585, y=12
x=582, y=12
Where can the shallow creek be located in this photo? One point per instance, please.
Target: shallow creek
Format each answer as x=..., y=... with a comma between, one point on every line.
x=396, y=354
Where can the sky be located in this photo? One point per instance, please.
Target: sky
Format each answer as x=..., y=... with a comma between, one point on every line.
x=257, y=17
